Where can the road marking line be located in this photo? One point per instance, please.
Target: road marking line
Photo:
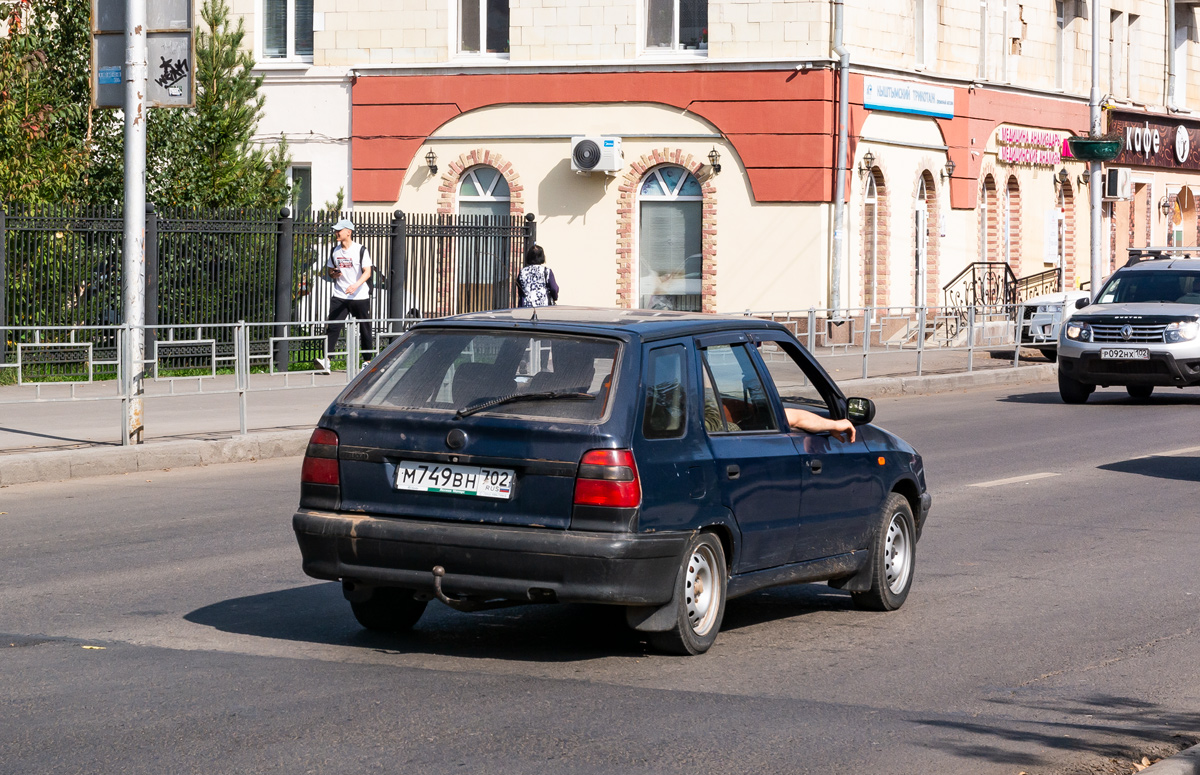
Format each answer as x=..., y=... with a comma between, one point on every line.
x=1174, y=452
x=1013, y=480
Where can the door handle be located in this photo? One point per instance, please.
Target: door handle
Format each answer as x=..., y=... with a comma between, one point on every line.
x=815, y=465
x=733, y=472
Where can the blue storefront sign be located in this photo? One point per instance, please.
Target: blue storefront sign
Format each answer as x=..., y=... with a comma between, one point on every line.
x=908, y=97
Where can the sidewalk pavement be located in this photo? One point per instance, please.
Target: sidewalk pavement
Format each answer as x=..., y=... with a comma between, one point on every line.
x=53, y=441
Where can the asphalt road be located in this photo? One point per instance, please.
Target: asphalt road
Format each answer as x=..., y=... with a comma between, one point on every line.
x=160, y=624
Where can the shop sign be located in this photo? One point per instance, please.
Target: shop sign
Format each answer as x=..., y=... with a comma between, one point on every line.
x=1154, y=142
x=1029, y=146
x=908, y=97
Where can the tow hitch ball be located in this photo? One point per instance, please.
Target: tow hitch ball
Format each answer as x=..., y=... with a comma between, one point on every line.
x=465, y=604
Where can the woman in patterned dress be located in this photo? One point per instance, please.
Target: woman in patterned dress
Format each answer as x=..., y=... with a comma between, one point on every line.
x=536, y=286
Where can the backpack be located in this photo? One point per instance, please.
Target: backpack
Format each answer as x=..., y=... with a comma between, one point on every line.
x=377, y=277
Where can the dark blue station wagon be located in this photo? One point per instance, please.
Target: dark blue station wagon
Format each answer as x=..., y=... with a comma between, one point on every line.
x=628, y=457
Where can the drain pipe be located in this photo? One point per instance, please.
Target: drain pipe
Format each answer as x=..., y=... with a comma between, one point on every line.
x=839, y=186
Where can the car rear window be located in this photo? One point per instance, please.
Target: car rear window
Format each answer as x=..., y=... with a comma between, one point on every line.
x=551, y=376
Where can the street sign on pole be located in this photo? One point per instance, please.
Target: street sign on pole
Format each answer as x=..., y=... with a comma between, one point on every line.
x=171, y=56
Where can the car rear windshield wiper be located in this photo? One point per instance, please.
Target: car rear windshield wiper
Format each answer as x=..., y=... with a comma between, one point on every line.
x=543, y=396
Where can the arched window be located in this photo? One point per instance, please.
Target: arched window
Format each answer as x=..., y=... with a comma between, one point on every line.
x=485, y=259
x=483, y=191
x=670, y=209
x=874, y=241
x=921, y=251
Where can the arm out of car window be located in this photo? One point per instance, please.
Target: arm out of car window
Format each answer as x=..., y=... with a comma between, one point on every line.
x=802, y=420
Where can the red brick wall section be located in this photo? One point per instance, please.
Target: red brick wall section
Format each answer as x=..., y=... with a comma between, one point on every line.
x=933, y=250
x=989, y=222
x=631, y=181
x=880, y=238
x=1068, y=195
x=1014, y=224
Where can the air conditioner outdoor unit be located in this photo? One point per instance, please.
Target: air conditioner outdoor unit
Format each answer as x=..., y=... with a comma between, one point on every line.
x=596, y=154
x=1117, y=184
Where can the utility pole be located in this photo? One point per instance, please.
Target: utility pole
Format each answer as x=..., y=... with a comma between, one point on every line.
x=1095, y=181
x=134, y=269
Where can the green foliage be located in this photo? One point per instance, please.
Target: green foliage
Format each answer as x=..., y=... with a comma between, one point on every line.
x=205, y=157
x=45, y=113
x=70, y=153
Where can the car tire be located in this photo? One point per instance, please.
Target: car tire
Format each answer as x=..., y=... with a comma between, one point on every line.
x=1049, y=354
x=699, y=599
x=1139, y=392
x=389, y=610
x=893, y=557
x=1072, y=391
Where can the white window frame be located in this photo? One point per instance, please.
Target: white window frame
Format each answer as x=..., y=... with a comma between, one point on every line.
x=1181, y=37
x=292, y=180
x=455, y=35
x=664, y=51
x=672, y=195
x=925, y=29
x=488, y=195
x=1116, y=53
x=261, y=35
x=1133, y=52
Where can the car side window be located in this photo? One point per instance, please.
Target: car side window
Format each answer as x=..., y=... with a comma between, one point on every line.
x=666, y=403
x=795, y=387
x=735, y=396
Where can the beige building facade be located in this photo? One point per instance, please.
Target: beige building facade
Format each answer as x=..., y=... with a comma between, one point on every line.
x=955, y=150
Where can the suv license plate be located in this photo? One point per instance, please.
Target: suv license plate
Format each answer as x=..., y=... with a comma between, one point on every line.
x=1125, y=353
x=456, y=480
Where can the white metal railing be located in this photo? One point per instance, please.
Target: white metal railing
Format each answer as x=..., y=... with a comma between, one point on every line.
x=65, y=363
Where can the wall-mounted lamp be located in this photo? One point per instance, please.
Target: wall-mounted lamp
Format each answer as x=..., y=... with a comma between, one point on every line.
x=1085, y=177
x=431, y=162
x=1063, y=177
x=949, y=170
x=867, y=163
x=714, y=160
x=1165, y=205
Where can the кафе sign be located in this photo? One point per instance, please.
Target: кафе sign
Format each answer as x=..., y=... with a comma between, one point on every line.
x=1155, y=141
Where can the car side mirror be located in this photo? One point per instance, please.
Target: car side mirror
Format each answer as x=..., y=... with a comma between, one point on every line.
x=860, y=411
x=1081, y=303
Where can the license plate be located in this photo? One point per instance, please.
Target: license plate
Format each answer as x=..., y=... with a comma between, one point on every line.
x=457, y=480
x=1125, y=353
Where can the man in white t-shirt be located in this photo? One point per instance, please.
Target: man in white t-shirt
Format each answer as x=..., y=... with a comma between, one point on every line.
x=349, y=267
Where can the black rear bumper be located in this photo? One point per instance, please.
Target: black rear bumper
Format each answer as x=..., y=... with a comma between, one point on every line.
x=518, y=563
x=1161, y=370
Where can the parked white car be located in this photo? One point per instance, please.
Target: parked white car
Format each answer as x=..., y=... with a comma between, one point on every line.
x=1042, y=318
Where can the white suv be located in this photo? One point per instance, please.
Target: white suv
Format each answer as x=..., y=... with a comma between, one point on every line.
x=1140, y=332
x=1042, y=317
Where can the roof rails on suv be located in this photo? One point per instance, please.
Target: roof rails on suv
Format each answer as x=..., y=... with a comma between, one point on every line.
x=1156, y=253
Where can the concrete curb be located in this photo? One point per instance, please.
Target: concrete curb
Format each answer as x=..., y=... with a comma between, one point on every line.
x=101, y=461
x=1186, y=762
x=59, y=465
x=880, y=387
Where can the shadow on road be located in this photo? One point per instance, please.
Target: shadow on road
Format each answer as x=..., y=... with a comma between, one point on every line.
x=1108, y=396
x=1111, y=727
x=1178, y=467
x=318, y=613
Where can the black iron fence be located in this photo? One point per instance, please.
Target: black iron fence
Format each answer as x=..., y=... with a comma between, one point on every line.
x=63, y=267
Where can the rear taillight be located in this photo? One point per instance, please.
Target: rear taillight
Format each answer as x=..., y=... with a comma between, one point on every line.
x=608, y=477
x=320, y=460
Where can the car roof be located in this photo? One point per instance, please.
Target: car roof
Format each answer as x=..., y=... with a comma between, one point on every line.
x=647, y=324
x=1159, y=258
